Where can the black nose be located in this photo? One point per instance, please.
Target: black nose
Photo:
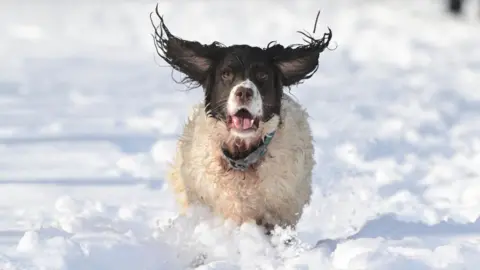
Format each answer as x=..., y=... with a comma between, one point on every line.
x=244, y=94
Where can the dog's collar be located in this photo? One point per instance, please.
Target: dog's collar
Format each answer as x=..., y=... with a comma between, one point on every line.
x=243, y=163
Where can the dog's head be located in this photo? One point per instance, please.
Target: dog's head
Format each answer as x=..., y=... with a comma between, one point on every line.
x=243, y=85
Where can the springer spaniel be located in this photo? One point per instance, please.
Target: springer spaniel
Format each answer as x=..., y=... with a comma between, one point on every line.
x=246, y=151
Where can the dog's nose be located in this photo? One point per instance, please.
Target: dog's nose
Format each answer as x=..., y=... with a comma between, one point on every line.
x=244, y=94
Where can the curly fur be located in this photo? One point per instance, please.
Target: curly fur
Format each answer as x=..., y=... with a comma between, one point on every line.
x=274, y=190
x=175, y=51
x=273, y=193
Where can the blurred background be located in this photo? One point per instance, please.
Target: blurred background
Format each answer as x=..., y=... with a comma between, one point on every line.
x=87, y=110
x=85, y=73
x=85, y=100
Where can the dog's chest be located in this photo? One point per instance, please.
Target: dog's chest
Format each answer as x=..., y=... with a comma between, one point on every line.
x=238, y=185
x=236, y=194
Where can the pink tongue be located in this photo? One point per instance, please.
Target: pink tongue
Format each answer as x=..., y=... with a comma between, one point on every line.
x=241, y=123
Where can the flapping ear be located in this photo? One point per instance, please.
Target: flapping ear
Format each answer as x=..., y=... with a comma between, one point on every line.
x=299, y=62
x=191, y=58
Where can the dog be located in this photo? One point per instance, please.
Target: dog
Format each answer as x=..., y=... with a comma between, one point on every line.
x=246, y=151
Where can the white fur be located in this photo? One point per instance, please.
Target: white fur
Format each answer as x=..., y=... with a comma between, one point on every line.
x=255, y=107
x=275, y=191
x=244, y=134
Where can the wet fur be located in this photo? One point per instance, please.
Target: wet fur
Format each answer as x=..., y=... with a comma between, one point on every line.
x=273, y=193
x=274, y=190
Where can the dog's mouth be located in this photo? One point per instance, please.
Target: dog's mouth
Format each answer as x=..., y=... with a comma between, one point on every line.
x=243, y=120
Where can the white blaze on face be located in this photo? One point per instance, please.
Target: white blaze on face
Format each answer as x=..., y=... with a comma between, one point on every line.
x=254, y=106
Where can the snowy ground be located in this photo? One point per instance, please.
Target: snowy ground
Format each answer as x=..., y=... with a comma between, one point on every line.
x=89, y=118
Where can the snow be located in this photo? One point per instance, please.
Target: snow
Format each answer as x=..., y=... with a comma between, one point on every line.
x=89, y=118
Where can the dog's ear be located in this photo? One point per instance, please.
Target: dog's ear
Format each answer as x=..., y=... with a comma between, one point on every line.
x=299, y=62
x=189, y=57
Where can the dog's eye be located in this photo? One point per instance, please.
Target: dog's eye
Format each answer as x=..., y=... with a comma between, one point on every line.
x=262, y=76
x=227, y=75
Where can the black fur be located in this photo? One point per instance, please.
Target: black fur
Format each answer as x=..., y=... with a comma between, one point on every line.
x=217, y=68
x=455, y=6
